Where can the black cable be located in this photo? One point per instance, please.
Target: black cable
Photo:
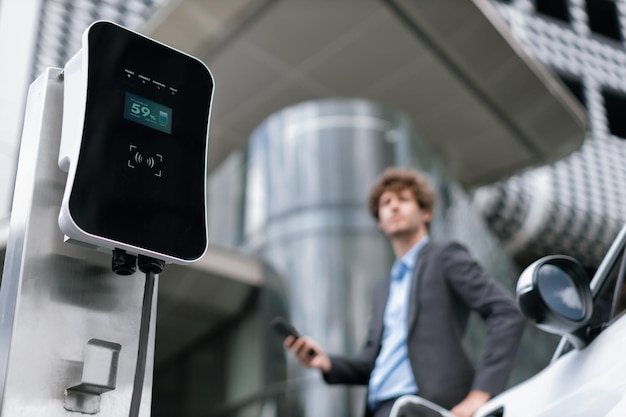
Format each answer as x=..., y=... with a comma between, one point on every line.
x=150, y=267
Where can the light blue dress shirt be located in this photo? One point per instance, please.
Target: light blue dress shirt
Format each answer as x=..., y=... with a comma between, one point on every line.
x=392, y=375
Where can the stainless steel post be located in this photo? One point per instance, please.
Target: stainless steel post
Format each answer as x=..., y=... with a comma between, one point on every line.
x=69, y=326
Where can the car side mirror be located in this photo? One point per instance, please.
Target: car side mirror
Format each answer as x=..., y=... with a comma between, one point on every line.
x=554, y=294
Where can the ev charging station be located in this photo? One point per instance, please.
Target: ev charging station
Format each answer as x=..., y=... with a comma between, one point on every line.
x=111, y=176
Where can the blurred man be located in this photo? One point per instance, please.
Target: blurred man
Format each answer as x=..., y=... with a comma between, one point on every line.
x=420, y=314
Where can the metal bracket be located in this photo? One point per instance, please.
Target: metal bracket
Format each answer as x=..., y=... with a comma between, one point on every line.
x=98, y=376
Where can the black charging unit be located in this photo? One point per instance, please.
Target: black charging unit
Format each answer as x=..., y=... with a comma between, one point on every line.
x=134, y=143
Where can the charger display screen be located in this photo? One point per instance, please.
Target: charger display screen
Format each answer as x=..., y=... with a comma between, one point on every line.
x=148, y=113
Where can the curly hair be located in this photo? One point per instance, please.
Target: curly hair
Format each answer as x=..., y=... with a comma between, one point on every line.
x=398, y=179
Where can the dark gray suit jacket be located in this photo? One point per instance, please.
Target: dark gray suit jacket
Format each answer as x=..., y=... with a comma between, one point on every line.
x=447, y=285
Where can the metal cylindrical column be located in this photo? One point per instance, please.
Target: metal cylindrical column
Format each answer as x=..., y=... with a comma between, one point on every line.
x=309, y=170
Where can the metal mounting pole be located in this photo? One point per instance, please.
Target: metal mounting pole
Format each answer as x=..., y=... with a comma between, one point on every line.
x=69, y=326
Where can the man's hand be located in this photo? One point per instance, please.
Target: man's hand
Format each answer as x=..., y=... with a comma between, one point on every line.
x=474, y=400
x=308, y=353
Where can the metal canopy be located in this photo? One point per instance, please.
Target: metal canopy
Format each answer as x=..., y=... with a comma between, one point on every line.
x=515, y=112
x=482, y=104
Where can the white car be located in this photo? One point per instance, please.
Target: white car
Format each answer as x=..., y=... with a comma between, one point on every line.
x=587, y=374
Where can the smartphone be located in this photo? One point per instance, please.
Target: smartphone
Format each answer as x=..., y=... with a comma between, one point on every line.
x=283, y=327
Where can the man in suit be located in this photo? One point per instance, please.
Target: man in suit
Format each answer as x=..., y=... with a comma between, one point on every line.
x=420, y=313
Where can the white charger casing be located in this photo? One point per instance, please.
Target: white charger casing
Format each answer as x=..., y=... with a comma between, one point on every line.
x=134, y=144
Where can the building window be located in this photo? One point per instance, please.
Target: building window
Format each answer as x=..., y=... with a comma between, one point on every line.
x=556, y=9
x=575, y=86
x=603, y=18
x=615, y=106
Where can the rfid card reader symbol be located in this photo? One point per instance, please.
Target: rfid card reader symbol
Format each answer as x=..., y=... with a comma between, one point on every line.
x=139, y=160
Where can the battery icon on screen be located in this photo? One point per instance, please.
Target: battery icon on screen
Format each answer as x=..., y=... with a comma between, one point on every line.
x=163, y=117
